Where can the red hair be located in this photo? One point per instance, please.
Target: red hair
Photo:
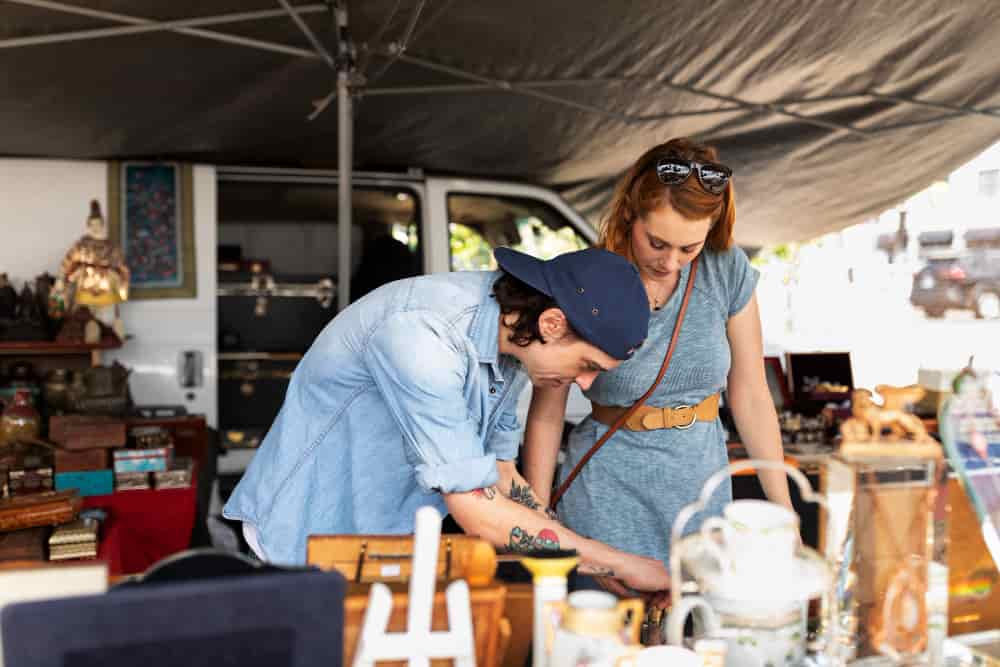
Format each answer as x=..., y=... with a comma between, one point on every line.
x=640, y=191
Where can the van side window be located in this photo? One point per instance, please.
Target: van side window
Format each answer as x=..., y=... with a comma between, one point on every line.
x=479, y=223
x=291, y=226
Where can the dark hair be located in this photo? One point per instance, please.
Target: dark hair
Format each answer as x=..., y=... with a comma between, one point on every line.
x=640, y=191
x=515, y=296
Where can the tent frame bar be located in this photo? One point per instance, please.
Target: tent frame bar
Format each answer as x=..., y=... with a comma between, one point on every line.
x=139, y=25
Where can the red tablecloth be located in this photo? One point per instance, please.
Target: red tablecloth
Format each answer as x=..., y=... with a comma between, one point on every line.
x=144, y=526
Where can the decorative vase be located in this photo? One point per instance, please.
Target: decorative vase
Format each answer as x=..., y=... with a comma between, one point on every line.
x=55, y=391
x=20, y=420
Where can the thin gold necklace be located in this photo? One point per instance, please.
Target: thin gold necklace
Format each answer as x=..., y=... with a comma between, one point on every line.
x=654, y=301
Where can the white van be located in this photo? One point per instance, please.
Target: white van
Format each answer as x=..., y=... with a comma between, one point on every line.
x=288, y=217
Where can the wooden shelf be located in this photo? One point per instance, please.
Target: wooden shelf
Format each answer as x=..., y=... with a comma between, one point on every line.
x=48, y=347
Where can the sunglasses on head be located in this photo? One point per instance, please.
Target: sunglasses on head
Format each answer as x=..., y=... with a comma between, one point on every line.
x=712, y=176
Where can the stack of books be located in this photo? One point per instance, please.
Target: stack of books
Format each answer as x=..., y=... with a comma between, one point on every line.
x=74, y=540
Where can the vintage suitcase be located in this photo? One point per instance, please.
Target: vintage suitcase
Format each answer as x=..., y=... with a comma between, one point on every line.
x=285, y=323
x=386, y=558
x=84, y=432
x=49, y=508
x=252, y=390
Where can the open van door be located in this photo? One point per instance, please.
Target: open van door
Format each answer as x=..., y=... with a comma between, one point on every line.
x=483, y=215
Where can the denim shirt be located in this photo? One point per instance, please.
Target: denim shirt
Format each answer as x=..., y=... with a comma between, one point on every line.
x=403, y=397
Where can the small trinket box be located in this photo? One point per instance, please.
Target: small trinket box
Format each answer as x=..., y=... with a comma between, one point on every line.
x=131, y=481
x=143, y=460
x=177, y=477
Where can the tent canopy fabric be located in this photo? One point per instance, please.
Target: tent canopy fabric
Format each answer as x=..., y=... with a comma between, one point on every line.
x=829, y=112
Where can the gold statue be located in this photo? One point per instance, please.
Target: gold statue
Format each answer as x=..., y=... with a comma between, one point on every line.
x=95, y=269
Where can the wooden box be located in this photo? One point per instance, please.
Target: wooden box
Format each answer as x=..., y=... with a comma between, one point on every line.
x=81, y=432
x=79, y=460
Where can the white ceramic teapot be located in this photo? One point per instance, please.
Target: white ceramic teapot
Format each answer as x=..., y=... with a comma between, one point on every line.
x=752, y=577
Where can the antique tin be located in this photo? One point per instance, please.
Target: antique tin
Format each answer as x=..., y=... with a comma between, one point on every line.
x=24, y=480
x=178, y=476
x=142, y=460
x=131, y=481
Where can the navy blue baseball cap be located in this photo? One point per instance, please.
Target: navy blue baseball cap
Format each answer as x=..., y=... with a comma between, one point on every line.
x=599, y=292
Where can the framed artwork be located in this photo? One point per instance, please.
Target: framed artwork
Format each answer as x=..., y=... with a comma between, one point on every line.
x=777, y=383
x=151, y=217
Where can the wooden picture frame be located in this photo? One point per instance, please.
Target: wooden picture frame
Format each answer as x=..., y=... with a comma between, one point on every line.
x=151, y=218
x=777, y=383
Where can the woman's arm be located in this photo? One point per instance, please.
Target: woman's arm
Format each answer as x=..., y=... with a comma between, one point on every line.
x=542, y=437
x=751, y=402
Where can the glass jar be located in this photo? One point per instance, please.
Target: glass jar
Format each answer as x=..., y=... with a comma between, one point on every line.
x=19, y=420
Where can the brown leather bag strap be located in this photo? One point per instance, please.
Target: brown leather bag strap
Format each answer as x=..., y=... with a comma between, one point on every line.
x=642, y=399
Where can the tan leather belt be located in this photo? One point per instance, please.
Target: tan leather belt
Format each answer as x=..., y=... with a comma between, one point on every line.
x=649, y=418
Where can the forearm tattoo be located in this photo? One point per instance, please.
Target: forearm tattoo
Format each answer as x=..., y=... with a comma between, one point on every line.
x=521, y=541
x=487, y=492
x=522, y=494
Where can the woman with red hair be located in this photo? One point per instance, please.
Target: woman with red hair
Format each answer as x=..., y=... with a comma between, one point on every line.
x=672, y=216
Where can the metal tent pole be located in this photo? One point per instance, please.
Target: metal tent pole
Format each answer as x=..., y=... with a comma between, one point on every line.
x=345, y=153
x=345, y=146
x=343, y=64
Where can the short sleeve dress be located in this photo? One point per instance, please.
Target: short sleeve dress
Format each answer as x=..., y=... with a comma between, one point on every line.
x=629, y=493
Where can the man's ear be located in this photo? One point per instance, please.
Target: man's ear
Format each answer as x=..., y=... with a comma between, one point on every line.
x=553, y=325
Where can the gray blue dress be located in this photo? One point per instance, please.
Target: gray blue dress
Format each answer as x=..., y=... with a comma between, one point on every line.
x=629, y=493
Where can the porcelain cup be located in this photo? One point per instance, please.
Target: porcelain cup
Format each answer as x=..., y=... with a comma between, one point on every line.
x=756, y=536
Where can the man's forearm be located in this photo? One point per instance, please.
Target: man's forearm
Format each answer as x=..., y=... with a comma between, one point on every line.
x=513, y=526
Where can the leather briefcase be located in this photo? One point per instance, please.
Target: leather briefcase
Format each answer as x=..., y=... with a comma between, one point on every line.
x=387, y=558
x=49, y=508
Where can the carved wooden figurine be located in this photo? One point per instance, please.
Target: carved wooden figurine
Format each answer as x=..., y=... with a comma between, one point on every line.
x=873, y=425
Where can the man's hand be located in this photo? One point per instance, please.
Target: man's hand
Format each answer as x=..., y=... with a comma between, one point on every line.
x=646, y=575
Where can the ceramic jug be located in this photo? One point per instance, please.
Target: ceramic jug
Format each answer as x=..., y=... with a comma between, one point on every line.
x=593, y=628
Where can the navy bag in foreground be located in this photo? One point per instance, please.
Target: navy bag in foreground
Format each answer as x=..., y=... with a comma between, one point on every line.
x=291, y=619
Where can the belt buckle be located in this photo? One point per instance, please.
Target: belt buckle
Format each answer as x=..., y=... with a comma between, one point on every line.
x=694, y=417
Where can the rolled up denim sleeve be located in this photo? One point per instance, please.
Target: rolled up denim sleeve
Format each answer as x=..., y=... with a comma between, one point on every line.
x=505, y=441
x=420, y=364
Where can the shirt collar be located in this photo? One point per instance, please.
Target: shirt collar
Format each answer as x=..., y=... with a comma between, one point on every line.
x=485, y=328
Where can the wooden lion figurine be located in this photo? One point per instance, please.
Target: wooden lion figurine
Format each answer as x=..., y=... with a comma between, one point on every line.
x=869, y=418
